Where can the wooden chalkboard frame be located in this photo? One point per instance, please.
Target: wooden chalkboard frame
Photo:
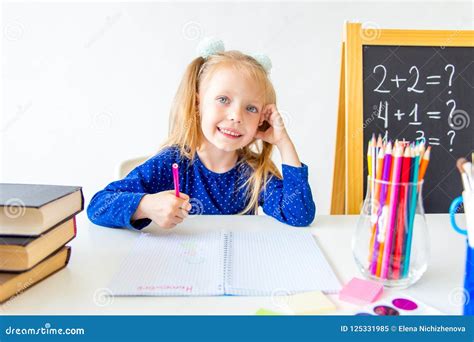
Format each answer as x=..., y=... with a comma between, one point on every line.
x=348, y=182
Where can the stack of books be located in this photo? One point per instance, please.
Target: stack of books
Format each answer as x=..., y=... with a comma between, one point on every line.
x=36, y=223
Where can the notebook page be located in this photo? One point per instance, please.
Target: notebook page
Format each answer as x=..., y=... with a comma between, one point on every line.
x=277, y=263
x=172, y=265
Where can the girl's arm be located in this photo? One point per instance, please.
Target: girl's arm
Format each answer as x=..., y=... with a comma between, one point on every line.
x=115, y=205
x=288, y=200
x=288, y=152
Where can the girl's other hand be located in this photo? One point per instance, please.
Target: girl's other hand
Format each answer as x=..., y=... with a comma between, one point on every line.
x=276, y=134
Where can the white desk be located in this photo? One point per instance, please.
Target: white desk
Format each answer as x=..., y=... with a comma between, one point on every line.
x=97, y=253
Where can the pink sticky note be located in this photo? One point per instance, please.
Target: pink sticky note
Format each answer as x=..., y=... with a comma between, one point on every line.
x=361, y=292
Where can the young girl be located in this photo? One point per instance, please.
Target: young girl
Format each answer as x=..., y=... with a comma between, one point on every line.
x=223, y=126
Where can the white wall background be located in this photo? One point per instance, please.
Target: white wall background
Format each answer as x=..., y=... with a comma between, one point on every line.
x=85, y=86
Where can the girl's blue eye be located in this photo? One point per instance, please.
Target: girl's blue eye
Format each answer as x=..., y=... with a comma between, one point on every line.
x=226, y=100
x=222, y=99
x=252, y=109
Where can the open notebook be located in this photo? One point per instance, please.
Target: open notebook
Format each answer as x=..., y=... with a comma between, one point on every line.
x=224, y=263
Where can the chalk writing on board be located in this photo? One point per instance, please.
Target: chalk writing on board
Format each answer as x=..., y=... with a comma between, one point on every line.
x=412, y=115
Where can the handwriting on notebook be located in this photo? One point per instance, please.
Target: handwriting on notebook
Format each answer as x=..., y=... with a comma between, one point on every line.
x=192, y=252
x=185, y=288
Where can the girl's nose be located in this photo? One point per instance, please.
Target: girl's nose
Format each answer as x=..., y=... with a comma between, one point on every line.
x=235, y=116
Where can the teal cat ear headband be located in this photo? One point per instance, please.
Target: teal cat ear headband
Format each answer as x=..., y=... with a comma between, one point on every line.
x=211, y=46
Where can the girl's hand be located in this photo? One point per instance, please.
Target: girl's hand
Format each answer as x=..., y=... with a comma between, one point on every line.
x=276, y=134
x=164, y=208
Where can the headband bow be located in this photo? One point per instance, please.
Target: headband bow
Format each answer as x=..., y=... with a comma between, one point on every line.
x=211, y=46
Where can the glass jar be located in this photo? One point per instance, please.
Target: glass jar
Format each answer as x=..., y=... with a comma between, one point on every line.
x=391, y=241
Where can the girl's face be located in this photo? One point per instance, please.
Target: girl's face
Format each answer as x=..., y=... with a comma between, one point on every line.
x=230, y=104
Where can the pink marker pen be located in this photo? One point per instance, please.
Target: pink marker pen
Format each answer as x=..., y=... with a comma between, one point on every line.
x=176, y=179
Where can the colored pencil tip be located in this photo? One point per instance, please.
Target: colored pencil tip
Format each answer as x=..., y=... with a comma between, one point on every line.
x=407, y=152
x=426, y=155
x=460, y=164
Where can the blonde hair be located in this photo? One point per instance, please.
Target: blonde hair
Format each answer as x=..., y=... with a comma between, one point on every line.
x=185, y=126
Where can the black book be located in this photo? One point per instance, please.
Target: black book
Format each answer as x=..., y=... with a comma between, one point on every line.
x=31, y=209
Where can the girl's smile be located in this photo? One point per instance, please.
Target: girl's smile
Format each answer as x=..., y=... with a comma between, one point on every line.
x=229, y=132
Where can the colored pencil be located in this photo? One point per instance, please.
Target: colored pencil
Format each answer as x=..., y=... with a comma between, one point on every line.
x=369, y=162
x=394, y=184
x=412, y=210
x=384, y=213
x=370, y=183
x=374, y=167
x=401, y=218
x=424, y=163
x=378, y=242
x=379, y=142
x=422, y=150
x=374, y=218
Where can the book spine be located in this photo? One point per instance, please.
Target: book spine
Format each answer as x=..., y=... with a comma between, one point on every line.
x=75, y=226
x=82, y=199
x=68, y=255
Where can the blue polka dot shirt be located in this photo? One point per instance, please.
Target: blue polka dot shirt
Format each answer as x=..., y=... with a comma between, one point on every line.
x=289, y=200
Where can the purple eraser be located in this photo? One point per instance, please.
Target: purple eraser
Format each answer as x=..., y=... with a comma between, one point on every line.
x=361, y=292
